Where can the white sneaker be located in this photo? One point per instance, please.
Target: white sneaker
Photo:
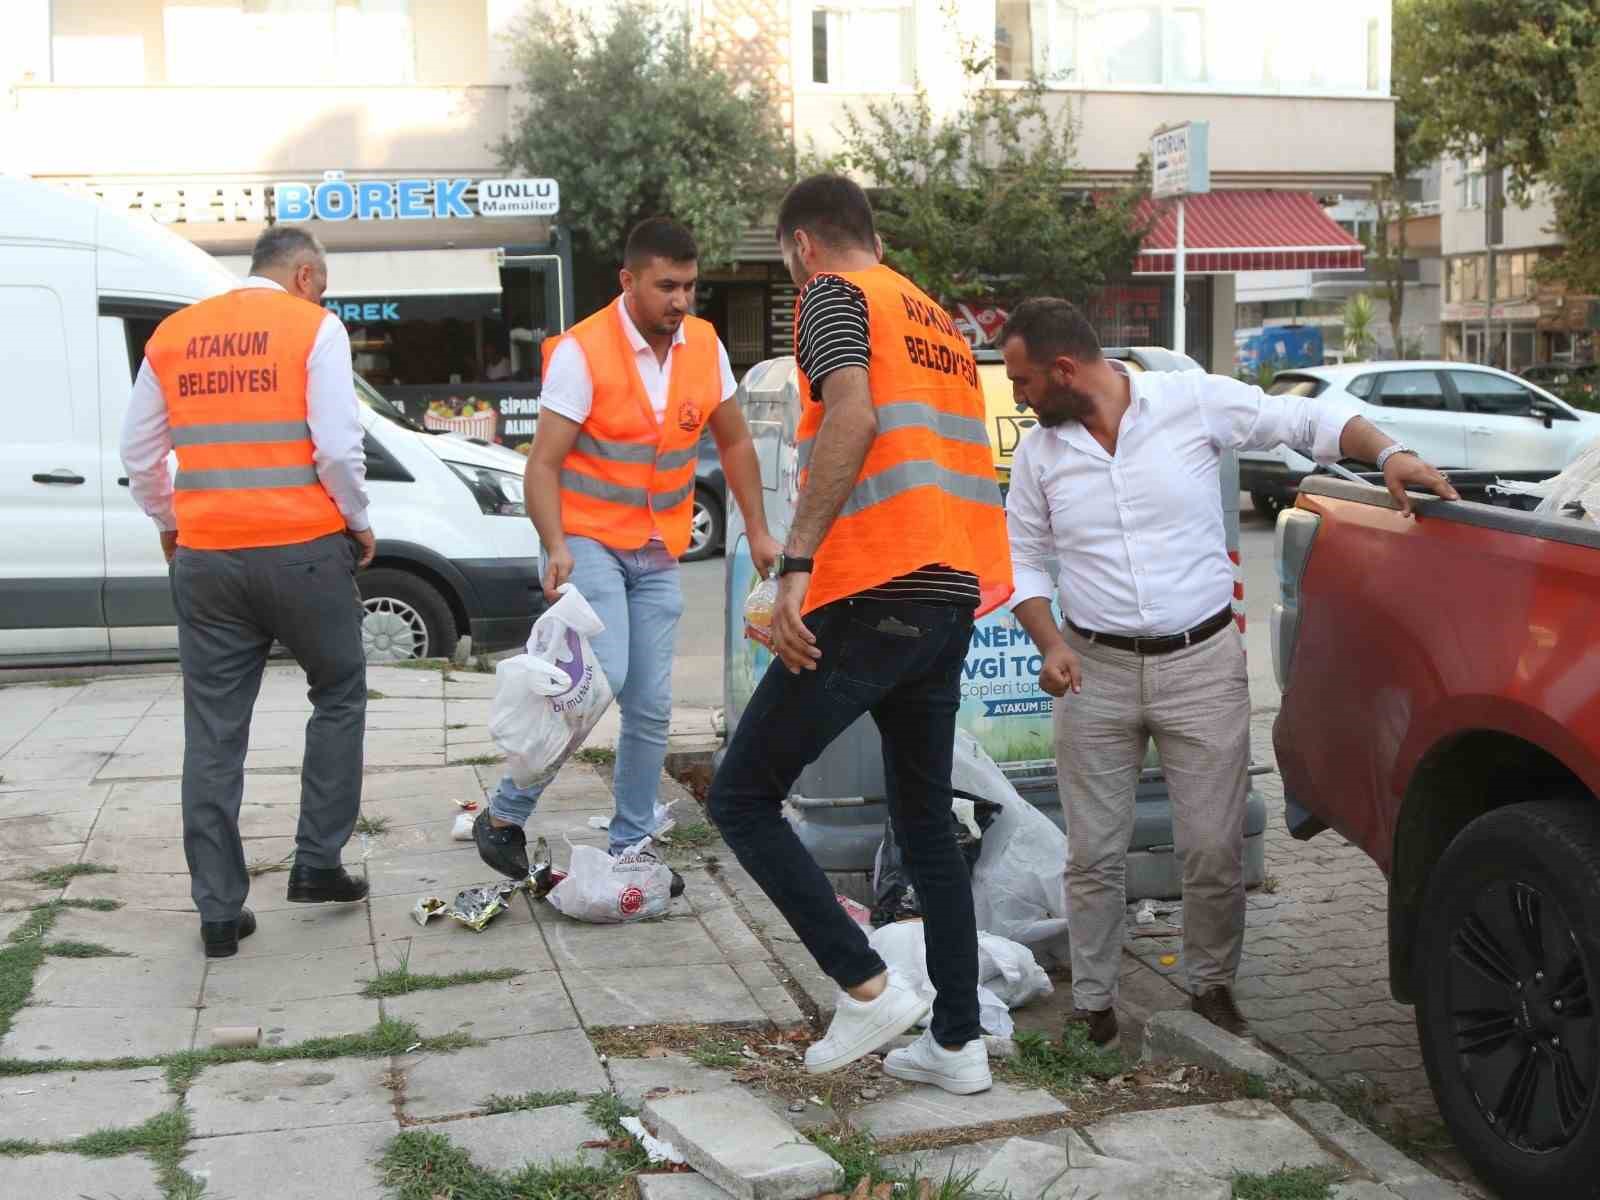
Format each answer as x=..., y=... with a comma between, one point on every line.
x=861, y=1026
x=962, y=1071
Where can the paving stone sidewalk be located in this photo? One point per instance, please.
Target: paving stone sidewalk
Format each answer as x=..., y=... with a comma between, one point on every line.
x=89, y=775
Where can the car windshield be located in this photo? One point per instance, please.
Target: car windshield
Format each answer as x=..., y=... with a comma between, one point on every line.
x=1296, y=385
x=386, y=409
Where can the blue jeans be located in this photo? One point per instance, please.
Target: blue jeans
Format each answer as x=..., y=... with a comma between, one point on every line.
x=637, y=594
x=902, y=663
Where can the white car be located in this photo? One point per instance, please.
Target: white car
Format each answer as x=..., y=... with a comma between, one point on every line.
x=82, y=577
x=1459, y=416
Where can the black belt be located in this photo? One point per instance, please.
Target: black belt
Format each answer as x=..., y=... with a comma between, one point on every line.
x=1160, y=645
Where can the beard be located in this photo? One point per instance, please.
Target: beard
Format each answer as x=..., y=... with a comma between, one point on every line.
x=1062, y=405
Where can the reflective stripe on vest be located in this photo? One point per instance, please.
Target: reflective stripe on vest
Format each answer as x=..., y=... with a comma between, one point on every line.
x=886, y=485
x=243, y=479
x=627, y=452
x=577, y=481
x=910, y=414
x=241, y=432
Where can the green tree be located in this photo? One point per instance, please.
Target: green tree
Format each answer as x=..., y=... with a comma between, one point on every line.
x=988, y=200
x=1496, y=78
x=1575, y=186
x=634, y=119
x=1358, y=339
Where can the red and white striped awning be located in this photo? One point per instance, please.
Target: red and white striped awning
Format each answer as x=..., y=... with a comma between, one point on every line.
x=1225, y=232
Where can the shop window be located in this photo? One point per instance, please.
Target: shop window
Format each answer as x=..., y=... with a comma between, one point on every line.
x=868, y=45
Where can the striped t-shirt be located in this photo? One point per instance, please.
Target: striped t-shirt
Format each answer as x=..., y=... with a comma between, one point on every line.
x=832, y=333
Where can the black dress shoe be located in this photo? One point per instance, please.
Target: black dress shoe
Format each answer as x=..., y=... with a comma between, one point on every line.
x=324, y=885
x=221, y=938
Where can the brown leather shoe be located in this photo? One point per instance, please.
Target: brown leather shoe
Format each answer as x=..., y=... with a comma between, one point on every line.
x=1100, y=1024
x=1216, y=1005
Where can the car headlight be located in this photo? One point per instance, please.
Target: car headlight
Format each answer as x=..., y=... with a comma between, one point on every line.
x=498, y=493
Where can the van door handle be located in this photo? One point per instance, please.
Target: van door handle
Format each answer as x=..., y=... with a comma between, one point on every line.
x=123, y=481
x=59, y=475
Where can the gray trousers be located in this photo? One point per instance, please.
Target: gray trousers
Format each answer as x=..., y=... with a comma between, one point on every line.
x=231, y=606
x=1196, y=705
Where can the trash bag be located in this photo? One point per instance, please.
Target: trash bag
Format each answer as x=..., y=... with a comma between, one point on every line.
x=1019, y=885
x=633, y=886
x=547, y=699
x=1008, y=976
x=894, y=897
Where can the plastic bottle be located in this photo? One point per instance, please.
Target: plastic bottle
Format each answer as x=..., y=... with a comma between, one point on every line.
x=760, y=604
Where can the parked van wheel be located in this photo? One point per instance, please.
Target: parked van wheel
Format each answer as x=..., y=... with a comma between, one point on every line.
x=1508, y=971
x=406, y=617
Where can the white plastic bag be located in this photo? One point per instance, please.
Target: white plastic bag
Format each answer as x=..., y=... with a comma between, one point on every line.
x=1019, y=885
x=1008, y=976
x=548, y=699
x=633, y=886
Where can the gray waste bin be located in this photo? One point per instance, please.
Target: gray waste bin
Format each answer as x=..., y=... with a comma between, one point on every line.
x=837, y=807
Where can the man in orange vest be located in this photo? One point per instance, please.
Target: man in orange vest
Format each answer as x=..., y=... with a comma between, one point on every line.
x=627, y=395
x=898, y=541
x=264, y=527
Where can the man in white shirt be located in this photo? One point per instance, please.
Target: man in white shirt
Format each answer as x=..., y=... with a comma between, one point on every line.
x=1118, y=487
x=610, y=484
x=264, y=527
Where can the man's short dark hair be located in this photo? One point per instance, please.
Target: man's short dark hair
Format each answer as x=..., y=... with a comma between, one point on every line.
x=281, y=245
x=659, y=237
x=1051, y=327
x=830, y=208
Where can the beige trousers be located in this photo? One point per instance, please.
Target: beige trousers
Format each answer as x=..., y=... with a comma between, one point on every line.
x=1196, y=705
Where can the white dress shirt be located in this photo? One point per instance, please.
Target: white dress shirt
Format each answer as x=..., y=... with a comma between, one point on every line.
x=1137, y=538
x=332, y=412
x=568, y=389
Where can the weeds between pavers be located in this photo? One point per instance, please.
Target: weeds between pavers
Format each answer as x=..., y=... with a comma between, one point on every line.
x=1061, y=1065
x=1287, y=1183
x=858, y=1155
x=695, y=836
x=401, y=980
x=526, y=1102
x=597, y=756
x=372, y=825
x=66, y=873
x=83, y=950
x=479, y=760
x=164, y=1138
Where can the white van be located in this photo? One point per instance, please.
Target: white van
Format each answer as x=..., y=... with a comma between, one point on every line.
x=82, y=578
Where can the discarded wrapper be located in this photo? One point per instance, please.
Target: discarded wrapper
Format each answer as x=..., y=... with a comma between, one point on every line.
x=467, y=805
x=475, y=907
x=461, y=831
x=655, y=1149
x=428, y=906
x=542, y=873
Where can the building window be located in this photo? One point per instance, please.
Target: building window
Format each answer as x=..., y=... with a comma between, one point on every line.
x=868, y=45
x=1239, y=45
x=1469, y=185
x=1514, y=275
x=291, y=42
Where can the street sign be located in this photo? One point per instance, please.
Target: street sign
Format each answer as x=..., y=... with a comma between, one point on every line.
x=1180, y=160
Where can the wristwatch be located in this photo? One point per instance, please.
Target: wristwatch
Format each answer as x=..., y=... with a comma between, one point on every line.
x=788, y=564
x=1390, y=451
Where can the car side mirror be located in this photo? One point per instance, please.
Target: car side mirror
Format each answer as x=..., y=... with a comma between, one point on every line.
x=1544, y=411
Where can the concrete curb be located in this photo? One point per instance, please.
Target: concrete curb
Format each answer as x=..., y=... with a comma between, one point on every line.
x=1382, y=1161
x=1191, y=1038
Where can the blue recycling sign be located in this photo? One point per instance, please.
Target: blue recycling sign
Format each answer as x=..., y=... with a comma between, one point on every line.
x=340, y=199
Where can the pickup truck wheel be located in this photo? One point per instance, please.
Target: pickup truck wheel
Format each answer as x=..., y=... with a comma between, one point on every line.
x=1508, y=970
x=405, y=617
x=1268, y=505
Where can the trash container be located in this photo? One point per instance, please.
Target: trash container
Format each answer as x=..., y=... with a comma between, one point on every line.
x=838, y=805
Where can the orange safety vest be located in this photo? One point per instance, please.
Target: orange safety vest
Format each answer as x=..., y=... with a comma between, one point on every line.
x=927, y=492
x=233, y=371
x=629, y=476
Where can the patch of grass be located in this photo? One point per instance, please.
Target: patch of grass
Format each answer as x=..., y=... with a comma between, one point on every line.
x=20, y=958
x=161, y=1130
x=695, y=836
x=91, y=905
x=422, y=664
x=388, y=1037
x=46, y=1066
x=528, y=1101
x=66, y=873
x=402, y=980
x=22, y=1147
x=858, y=1155
x=420, y=1165
x=607, y=1110
x=597, y=756
x=480, y=760
x=460, y=725
x=83, y=950
x=1269, y=885
x=263, y=867
x=1062, y=1065
x=374, y=694
x=1287, y=1183
x=718, y=1052
x=1254, y=1087
x=373, y=825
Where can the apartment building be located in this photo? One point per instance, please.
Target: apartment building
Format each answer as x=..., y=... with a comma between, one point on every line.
x=1529, y=319
x=194, y=112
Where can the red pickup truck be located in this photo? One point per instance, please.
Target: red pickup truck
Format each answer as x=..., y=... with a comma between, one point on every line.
x=1441, y=709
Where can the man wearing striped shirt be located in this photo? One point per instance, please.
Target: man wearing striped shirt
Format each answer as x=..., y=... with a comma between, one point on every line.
x=897, y=542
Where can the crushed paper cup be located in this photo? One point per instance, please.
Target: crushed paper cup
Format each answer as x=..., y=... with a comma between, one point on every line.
x=462, y=830
x=427, y=906
x=655, y=1149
